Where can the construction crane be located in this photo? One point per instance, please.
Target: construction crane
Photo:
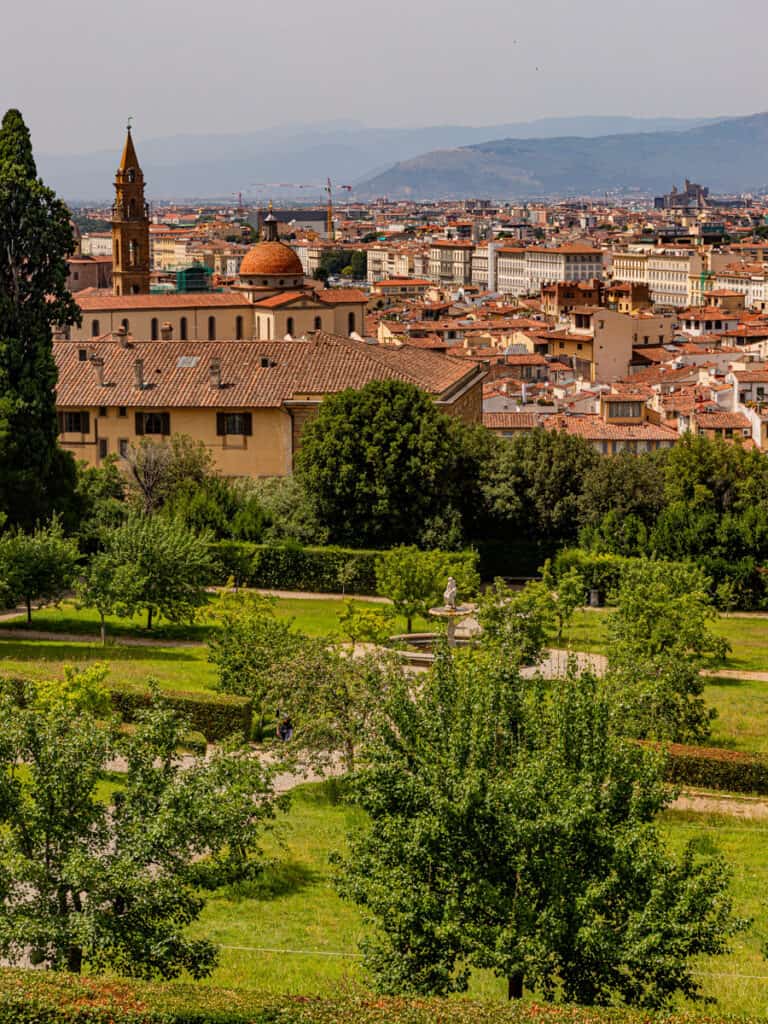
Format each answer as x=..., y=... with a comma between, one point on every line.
x=327, y=188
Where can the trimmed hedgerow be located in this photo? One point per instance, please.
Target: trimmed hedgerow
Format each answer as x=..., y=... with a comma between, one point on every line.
x=326, y=570
x=716, y=768
x=215, y=715
x=36, y=997
x=212, y=716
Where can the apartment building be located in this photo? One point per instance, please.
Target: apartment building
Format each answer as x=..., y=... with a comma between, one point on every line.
x=673, y=276
x=574, y=262
x=511, y=270
x=450, y=263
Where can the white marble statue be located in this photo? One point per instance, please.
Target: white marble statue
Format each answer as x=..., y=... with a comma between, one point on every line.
x=449, y=597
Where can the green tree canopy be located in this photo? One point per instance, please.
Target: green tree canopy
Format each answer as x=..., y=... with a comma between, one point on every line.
x=659, y=638
x=414, y=580
x=153, y=563
x=16, y=144
x=35, y=239
x=37, y=566
x=383, y=466
x=533, y=485
x=512, y=829
x=110, y=885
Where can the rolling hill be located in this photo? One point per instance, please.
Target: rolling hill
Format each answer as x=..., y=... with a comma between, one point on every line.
x=730, y=155
x=218, y=165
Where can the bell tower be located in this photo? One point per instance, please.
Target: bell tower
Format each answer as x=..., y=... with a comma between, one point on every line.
x=130, y=226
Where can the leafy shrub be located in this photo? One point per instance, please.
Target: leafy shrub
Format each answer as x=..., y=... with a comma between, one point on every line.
x=215, y=715
x=599, y=571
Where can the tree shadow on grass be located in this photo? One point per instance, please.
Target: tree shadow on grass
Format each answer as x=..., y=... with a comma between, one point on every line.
x=279, y=878
x=725, y=681
x=51, y=650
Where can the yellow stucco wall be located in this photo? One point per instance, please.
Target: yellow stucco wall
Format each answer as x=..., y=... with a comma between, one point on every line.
x=267, y=452
x=140, y=322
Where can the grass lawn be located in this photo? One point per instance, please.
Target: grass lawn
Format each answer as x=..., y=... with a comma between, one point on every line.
x=294, y=907
x=739, y=981
x=175, y=668
x=315, y=617
x=748, y=638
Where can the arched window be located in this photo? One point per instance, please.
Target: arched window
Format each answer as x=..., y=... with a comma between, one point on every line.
x=131, y=175
x=95, y=332
x=117, y=252
x=133, y=253
x=351, y=323
x=211, y=328
x=183, y=328
x=289, y=326
x=258, y=328
x=154, y=329
x=238, y=328
x=124, y=323
x=131, y=207
x=318, y=323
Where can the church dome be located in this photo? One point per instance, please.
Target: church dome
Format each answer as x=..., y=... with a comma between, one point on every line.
x=271, y=259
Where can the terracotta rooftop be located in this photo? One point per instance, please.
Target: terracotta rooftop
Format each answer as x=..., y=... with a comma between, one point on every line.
x=511, y=420
x=594, y=428
x=262, y=374
x=89, y=300
x=722, y=421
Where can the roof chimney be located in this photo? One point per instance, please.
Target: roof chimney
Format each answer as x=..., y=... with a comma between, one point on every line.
x=214, y=373
x=138, y=373
x=98, y=365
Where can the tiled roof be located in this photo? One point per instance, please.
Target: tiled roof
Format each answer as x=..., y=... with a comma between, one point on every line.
x=342, y=295
x=594, y=428
x=176, y=374
x=283, y=299
x=751, y=376
x=722, y=421
x=92, y=301
x=511, y=420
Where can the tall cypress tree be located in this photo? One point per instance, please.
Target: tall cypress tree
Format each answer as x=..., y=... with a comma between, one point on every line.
x=15, y=143
x=35, y=239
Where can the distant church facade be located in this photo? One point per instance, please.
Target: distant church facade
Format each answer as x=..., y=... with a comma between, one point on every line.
x=270, y=302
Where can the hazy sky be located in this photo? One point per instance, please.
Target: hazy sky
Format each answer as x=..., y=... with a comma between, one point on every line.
x=78, y=69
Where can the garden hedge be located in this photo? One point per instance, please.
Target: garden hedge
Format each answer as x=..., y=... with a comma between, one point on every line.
x=215, y=715
x=326, y=570
x=599, y=571
x=39, y=997
x=717, y=768
x=212, y=716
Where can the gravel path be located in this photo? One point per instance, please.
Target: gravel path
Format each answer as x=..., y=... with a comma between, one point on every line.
x=750, y=808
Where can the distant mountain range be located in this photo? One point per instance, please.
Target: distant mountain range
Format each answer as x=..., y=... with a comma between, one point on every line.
x=729, y=155
x=210, y=166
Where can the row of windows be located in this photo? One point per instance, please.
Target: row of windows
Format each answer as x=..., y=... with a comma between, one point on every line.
x=154, y=328
x=233, y=424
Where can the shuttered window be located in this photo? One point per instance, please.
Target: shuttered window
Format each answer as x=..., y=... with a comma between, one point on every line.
x=153, y=423
x=74, y=423
x=234, y=423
